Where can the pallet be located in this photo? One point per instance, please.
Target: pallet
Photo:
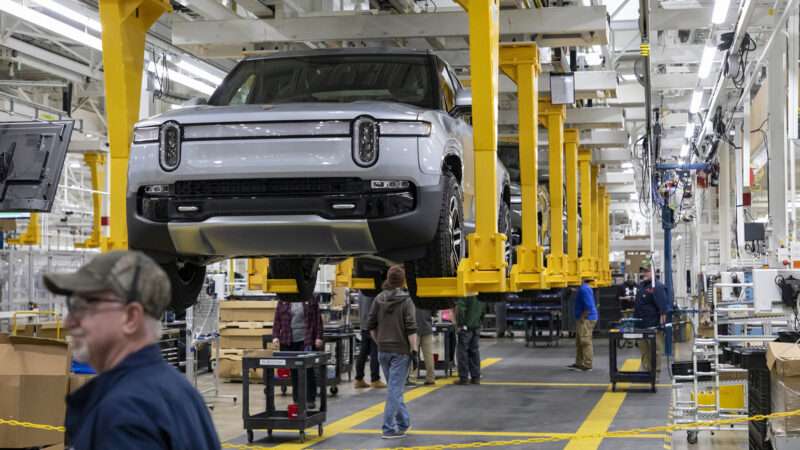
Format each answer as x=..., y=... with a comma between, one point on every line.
x=245, y=325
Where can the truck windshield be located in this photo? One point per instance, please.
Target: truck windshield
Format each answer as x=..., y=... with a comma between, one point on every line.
x=334, y=79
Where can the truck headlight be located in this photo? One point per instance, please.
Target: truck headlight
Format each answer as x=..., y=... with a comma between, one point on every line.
x=170, y=147
x=145, y=135
x=405, y=128
x=365, y=141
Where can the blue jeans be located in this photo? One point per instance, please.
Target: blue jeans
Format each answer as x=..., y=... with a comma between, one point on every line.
x=395, y=370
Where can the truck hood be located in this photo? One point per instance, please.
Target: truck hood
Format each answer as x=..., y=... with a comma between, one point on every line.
x=285, y=112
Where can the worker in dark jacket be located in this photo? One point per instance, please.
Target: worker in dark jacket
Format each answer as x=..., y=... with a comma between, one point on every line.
x=469, y=312
x=586, y=318
x=137, y=400
x=652, y=308
x=297, y=327
x=392, y=325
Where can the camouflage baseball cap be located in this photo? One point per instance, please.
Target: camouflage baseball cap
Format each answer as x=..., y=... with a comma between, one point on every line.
x=132, y=276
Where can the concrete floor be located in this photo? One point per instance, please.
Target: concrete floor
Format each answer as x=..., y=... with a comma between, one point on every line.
x=526, y=393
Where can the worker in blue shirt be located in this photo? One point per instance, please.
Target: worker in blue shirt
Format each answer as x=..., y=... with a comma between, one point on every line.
x=586, y=319
x=137, y=401
x=652, y=308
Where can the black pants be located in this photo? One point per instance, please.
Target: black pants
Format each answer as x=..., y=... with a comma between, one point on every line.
x=311, y=376
x=469, y=357
x=368, y=349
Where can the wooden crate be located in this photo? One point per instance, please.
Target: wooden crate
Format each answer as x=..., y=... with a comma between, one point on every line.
x=247, y=310
x=243, y=338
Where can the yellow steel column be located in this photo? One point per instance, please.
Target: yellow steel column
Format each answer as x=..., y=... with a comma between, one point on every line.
x=556, y=260
x=595, y=222
x=32, y=234
x=585, y=163
x=125, y=24
x=257, y=270
x=605, y=266
x=520, y=62
x=95, y=161
x=485, y=268
x=571, y=142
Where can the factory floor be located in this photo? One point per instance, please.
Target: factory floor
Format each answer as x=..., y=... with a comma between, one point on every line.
x=526, y=394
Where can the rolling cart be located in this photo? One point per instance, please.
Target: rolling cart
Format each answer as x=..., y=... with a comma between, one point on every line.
x=446, y=365
x=271, y=418
x=343, y=356
x=534, y=319
x=620, y=376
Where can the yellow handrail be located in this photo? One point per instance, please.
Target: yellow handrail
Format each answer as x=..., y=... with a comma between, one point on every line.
x=48, y=313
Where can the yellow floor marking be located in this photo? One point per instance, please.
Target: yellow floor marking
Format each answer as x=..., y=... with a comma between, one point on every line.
x=560, y=385
x=354, y=420
x=498, y=434
x=603, y=413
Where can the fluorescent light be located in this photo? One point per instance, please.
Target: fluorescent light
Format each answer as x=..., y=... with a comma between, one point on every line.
x=627, y=165
x=629, y=77
x=709, y=52
x=178, y=77
x=697, y=97
x=684, y=150
x=689, y=130
x=68, y=13
x=45, y=21
x=200, y=73
x=720, y=11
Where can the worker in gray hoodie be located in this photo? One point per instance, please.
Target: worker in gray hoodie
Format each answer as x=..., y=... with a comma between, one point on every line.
x=393, y=327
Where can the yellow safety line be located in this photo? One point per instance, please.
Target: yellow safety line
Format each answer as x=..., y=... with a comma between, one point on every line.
x=497, y=433
x=364, y=415
x=561, y=385
x=599, y=420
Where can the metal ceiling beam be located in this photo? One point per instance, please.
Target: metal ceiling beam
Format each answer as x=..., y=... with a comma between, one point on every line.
x=556, y=26
x=615, y=177
x=50, y=58
x=604, y=138
x=588, y=84
x=687, y=19
x=611, y=155
x=679, y=81
x=581, y=118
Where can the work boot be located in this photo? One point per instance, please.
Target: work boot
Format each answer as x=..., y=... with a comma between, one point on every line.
x=378, y=384
x=461, y=382
x=360, y=384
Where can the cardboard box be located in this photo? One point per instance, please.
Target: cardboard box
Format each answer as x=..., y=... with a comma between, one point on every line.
x=243, y=338
x=247, y=310
x=33, y=384
x=230, y=368
x=783, y=361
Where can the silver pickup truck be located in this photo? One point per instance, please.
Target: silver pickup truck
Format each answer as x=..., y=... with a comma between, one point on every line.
x=307, y=158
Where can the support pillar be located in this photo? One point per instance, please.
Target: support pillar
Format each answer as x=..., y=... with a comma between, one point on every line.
x=554, y=116
x=776, y=181
x=125, y=24
x=585, y=168
x=520, y=62
x=571, y=143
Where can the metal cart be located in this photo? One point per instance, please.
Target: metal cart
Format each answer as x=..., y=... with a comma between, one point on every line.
x=343, y=359
x=620, y=376
x=271, y=418
x=534, y=331
x=446, y=365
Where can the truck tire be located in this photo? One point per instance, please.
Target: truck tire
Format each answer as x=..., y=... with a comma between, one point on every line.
x=302, y=270
x=186, y=280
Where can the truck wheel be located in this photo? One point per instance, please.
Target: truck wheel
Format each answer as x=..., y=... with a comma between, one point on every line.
x=302, y=270
x=370, y=269
x=186, y=281
x=446, y=250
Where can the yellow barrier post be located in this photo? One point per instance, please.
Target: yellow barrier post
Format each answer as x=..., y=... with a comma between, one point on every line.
x=95, y=161
x=125, y=24
x=584, y=164
x=554, y=116
x=571, y=143
x=520, y=62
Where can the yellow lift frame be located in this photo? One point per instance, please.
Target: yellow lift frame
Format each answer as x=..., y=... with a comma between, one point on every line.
x=571, y=143
x=32, y=234
x=125, y=24
x=96, y=161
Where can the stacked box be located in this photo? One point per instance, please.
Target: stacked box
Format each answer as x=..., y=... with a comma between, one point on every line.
x=783, y=360
x=244, y=325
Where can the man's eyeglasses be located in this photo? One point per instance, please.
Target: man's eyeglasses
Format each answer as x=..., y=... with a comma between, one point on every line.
x=78, y=306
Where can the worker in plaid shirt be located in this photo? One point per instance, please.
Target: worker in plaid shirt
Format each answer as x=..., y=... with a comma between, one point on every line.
x=298, y=327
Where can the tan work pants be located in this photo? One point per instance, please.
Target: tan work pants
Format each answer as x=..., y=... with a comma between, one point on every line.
x=583, y=343
x=644, y=348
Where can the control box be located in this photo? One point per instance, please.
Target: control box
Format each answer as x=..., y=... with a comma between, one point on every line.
x=765, y=290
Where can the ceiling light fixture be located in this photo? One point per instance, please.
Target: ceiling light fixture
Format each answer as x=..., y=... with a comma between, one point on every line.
x=70, y=14
x=709, y=52
x=720, y=11
x=697, y=97
x=200, y=73
x=56, y=26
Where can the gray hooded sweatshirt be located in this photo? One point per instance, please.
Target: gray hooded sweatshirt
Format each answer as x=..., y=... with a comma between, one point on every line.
x=392, y=316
